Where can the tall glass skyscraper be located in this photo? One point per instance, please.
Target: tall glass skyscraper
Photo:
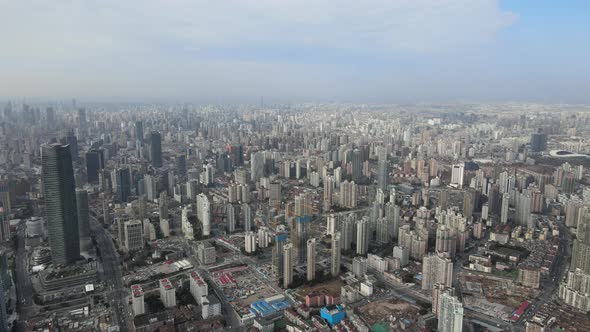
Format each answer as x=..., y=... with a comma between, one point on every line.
x=83, y=219
x=59, y=190
x=156, y=149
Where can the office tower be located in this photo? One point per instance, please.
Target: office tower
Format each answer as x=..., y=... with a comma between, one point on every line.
x=150, y=184
x=94, y=163
x=392, y=213
x=505, y=207
x=356, y=165
x=277, y=253
x=83, y=219
x=232, y=214
x=5, y=234
x=247, y=213
x=382, y=174
x=436, y=269
x=457, y=174
x=3, y=303
x=288, y=265
x=163, y=205
x=236, y=153
x=181, y=165
x=133, y=234
x=538, y=141
x=335, y=266
x=138, y=300
x=167, y=293
x=450, y=314
x=156, y=149
x=300, y=237
x=328, y=192
x=311, y=259
x=192, y=188
x=50, y=116
x=298, y=169
x=331, y=224
x=204, y=213
x=348, y=194
x=5, y=197
x=494, y=200
x=71, y=140
x=59, y=191
x=362, y=236
x=82, y=119
x=139, y=131
x=250, y=242
x=123, y=179
x=257, y=166
x=274, y=195
x=359, y=266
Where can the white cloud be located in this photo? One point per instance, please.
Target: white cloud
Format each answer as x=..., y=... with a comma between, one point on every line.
x=152, y=47
x=66, y=27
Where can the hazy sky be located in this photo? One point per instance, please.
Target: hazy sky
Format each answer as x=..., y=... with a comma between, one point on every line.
x=341, y=50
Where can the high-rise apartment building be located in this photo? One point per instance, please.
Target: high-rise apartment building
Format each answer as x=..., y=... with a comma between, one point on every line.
x=288, y=265
x=311, y=259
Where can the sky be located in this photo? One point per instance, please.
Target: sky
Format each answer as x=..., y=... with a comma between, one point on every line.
x=297, y=50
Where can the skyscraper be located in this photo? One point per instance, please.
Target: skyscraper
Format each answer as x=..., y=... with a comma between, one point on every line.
x=436, y=269
x=3, y=302
x=538, y=141
x=335, y=267
x=123, y=180
x=156, y=149
x=59, y=190
x=181, y=165
x=311, y=259
x=450, y=313
x=163, y=205
x=83, y=219
x=362, y=236
x=288, y=263
x=277, y=253
x=72, y=141
x=357, y=164
x=301, y=235
x=504, y=209
x=457, y=174
x=82, y=119
x=382, y=175
x=94, y=163
x=348, y=194
x=328, y=192
x=204, y=213
x=139, y=131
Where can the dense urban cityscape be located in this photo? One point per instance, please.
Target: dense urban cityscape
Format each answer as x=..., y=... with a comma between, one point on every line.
x=295, y=166
x=294, y=217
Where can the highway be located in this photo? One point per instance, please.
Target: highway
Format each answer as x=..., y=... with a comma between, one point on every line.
x=24, y=288
x=115, y=293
